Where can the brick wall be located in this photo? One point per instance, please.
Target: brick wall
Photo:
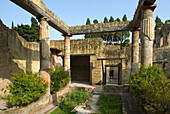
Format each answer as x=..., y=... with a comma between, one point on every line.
x=97, y=74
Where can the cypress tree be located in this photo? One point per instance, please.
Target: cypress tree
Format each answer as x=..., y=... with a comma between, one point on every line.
x=112, y=34
x=124, y=18
x=111, y=19
x=12, y=25
x=105, y=20
x=125, y=33
x=118, y=20
x=88, y=23
x=158, y=22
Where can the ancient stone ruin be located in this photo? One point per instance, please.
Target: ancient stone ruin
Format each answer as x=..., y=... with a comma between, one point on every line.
x=86, y=60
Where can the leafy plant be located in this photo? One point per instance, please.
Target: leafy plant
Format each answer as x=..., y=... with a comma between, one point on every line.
x=26, y=87
x=71, y=100
x=152, y=87
x=59, y=78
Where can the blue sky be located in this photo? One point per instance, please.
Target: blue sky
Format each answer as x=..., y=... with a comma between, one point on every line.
x=75, y=12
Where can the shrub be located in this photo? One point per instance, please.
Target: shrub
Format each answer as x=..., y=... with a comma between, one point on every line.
x=71, y=100
x=152, y=87
x=26, y=87
x=59, y=78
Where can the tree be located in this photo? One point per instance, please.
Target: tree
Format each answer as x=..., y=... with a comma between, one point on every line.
x=95, y=21
x=118, y=35
x=88, y=23
x=118, y=20
x=97, y=34
x=124, y=18
x=12, y=25
x=125, y=33
x=111, y=20
x=105, y=35
x=158, y=22
x=112, y=36
x=167, y=21
x=29, y=33
x=105, y=20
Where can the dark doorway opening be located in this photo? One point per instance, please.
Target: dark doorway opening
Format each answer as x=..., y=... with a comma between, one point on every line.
x=113, y=74
x=80, y=68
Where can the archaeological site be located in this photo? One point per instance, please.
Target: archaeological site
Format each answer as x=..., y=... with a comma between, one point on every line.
x=87, y=61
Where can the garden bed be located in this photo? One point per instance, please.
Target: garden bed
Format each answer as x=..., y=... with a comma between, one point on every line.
x=71, y=100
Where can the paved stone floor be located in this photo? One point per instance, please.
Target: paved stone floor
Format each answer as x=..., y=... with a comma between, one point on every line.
x=129, y=104
x=90, y=106
x=3, y=106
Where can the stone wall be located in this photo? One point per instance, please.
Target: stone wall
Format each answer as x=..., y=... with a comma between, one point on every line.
x=101, y=25
x=162, y=37
x=15, y=54
x=86, y=46
x=161, y=55
x=96, y=50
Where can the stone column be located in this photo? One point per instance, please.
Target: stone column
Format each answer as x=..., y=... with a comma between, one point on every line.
x=67, y=53
x=135, y=51
x=147, y=35
x=44, y=52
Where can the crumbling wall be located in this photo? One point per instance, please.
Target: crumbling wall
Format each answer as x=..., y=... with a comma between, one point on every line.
x=110, y=51
x=98, y=50
x=15, y=54
x=80, y=46
x=161, y=57
x=162, y=36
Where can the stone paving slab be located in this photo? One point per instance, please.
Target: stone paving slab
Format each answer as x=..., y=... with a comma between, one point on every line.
x=88, y=107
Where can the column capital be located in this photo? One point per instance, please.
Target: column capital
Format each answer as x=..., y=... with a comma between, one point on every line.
x=135, y=29
x=40, y=18
x=67, y=35
x=149, y=7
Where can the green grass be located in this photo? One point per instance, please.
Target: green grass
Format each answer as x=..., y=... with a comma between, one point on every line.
x=71, y=100
x=110, y=104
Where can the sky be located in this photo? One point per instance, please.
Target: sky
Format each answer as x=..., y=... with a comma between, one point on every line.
x=76, y=12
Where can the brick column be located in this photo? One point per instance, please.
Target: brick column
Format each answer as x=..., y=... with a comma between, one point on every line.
x=135, y=51
x=44, y=52
x=67, y=53
x=147, y=35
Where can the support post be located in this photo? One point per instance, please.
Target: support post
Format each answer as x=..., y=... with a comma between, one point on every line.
x=67, y=53
x=147, y=35
x=135, y=51
x=44, y=52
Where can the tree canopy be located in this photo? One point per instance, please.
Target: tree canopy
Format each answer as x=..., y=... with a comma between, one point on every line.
x=29, y=33
x=112, y=36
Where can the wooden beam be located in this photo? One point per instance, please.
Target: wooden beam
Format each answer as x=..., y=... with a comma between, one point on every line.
x=111, y=58
x=38, y=12
x=137, y=15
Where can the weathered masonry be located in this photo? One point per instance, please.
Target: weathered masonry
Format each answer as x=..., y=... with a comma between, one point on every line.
x=142, y=20
x=86, y=60
x=90, y=57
